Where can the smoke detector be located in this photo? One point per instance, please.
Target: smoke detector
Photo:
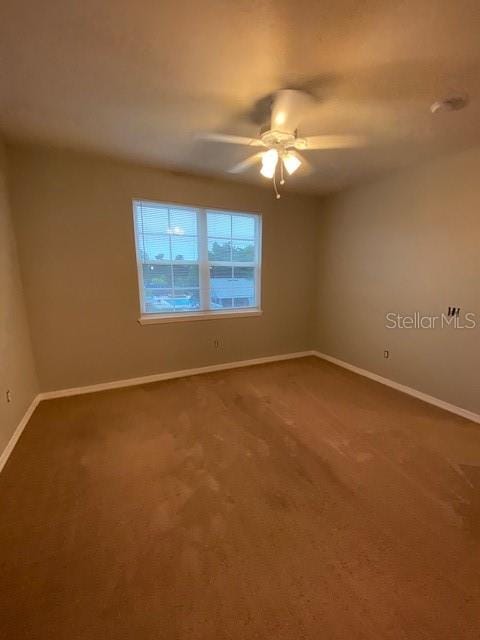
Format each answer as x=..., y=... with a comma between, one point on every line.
x=452, y=103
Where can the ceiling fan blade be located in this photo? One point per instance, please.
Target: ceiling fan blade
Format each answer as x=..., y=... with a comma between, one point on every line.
x=230, y=139
x=288, y=108
x=246, y=164
x=331, y=142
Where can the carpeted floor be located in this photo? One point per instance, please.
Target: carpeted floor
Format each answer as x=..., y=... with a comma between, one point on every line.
x=286, y=501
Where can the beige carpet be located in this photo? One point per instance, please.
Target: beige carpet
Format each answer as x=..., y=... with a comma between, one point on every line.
x=286, y=501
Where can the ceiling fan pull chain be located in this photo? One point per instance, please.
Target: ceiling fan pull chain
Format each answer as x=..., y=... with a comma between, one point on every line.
x=282, y=179
x=275, y=186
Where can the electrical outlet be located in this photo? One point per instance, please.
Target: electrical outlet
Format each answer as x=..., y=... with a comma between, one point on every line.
x=386, y=354
x=8, y=395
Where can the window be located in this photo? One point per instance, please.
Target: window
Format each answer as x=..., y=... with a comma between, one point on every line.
x=195, y=262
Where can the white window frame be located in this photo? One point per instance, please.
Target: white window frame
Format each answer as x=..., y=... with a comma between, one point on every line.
x=204, y=266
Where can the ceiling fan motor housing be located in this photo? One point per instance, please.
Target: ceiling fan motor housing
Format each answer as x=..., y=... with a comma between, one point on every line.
x=280, y=139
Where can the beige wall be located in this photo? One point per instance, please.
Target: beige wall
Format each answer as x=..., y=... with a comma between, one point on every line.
x=73, y=215
x=404, y=244
x=17, y=370
x=408, y=243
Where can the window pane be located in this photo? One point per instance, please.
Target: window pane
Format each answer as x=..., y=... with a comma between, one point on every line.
x=168, y=301
x=221, y=272
x=154, y=248
x=185, y=276
x=243, y=227
x=220, y=287
x=185, y=299
x=154, y=219
x=184, y=248
x=183, y=222
x=219, y=225
x=242, y=302
x=155, y=300
x=219, y=250
x=244, y=288
x=232, y=287
x=244, y=273
x=157, y=276
x=243, y=251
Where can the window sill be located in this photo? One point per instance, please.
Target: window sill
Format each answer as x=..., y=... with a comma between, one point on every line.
x=152, y=318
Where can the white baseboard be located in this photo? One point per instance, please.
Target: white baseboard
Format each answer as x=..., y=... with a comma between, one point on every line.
x=18, y=432
x=156, y=377
x=464, y=413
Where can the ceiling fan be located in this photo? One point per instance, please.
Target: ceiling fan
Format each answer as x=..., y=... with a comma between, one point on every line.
x=279, y=139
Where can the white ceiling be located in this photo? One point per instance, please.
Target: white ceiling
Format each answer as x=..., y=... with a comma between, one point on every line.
x=139, y=79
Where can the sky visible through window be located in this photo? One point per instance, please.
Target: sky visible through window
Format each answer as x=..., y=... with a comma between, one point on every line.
x=168, y=234
x=172, y=235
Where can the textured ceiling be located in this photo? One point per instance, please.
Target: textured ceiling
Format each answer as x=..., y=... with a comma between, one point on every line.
x=140, y=79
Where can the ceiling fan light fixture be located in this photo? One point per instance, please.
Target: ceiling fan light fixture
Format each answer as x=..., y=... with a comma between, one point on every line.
x=291, y=162
x=269, y=163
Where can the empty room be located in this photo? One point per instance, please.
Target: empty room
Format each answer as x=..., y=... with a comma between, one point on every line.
x=240, y=320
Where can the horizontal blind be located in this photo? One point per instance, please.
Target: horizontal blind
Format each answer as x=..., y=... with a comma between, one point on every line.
x=183, y=252
x=232, y=258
